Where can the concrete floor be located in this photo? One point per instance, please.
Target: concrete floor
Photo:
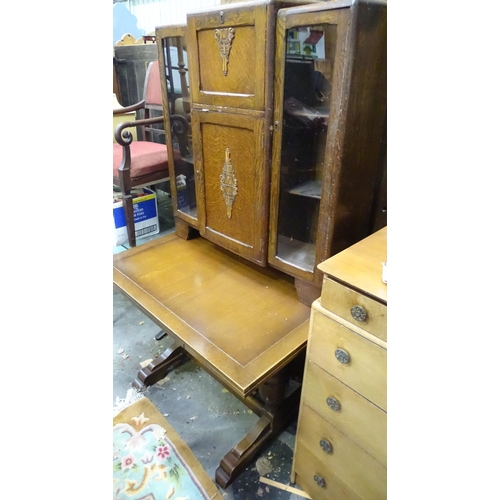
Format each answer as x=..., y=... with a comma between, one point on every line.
x=206, y=416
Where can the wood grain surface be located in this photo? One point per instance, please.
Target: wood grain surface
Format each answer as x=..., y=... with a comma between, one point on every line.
x=241, y=322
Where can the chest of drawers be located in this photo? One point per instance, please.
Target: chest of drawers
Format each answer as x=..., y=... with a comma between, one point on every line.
x=341, y=450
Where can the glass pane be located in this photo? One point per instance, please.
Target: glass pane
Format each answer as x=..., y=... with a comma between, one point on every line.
x=177, y=78
x=307, y=88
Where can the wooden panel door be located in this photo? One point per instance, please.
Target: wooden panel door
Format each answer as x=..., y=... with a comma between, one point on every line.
x=227, y=55
x=231, y=164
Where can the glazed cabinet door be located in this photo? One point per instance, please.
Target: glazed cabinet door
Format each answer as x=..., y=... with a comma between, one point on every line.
x=328, y=121
x=172, y=57
x=228, y=55
x=230, y=162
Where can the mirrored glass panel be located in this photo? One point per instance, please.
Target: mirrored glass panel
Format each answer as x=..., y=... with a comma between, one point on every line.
x=306, y=104
x=177, y=81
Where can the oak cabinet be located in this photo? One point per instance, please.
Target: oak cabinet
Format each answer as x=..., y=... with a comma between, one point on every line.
x=231, y=74
x=284, y=158
x=231, y=56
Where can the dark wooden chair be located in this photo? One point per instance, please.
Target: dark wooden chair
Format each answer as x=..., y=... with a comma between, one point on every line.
x=143, y=162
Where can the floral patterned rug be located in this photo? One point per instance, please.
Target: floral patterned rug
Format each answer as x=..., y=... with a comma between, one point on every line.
x=150, y=461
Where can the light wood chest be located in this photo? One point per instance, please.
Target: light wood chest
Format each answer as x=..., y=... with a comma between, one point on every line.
x=341, y=449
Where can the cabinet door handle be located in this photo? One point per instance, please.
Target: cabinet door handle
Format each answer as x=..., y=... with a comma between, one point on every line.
x=359, y=313
x=333, y=404
x=342, y=356
x=326, y=446
x=320, y=481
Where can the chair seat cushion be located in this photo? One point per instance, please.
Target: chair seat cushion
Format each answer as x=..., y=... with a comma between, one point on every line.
x=146, y=158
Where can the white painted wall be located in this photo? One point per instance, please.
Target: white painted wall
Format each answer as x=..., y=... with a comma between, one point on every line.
x=153, y=13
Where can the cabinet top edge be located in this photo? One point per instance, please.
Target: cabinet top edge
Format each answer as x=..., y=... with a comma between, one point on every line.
x=176, y=29
x=320, y=6
x=249, y=5
x=360, y=265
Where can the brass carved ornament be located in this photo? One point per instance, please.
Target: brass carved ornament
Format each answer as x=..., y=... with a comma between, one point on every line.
x=224, y=37
x=228, y=184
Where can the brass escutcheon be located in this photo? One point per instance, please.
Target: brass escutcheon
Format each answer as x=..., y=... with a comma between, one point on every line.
x=224, y=37
x=228, y=183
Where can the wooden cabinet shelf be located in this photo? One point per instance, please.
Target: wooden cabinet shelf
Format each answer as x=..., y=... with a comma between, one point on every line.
x=305, y=115
x=301, y=254
x=310, y=189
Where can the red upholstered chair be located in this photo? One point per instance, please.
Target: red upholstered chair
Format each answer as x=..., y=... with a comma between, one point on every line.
x=143, y=162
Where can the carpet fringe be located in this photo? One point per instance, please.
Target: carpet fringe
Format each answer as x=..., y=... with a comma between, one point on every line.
x=133, y=395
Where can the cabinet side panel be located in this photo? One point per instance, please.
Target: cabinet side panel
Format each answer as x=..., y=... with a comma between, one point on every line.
x=358, y=164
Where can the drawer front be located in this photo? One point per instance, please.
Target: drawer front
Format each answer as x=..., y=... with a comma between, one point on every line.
x=318, y=480
x=354, y=360
x=227, y=57
x=360, y=420
x=350, y=463
x=355, y=307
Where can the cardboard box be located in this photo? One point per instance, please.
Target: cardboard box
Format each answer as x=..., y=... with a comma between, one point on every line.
x=145, y=216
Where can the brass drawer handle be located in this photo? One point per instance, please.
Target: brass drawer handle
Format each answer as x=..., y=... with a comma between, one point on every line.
x=320, y=481
x=342, y=356
x=334, y=404
x=359, y=313
x=326, y=446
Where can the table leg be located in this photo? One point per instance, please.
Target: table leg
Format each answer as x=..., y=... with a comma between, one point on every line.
x=275, y=413
x=160, y=366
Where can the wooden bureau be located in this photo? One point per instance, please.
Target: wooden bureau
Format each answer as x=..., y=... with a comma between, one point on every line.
x=341, y=449
x=286, y=134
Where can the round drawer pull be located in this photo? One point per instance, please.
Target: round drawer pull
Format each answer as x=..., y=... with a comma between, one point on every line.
x=334, y=404
x=342, y=356
x=320, y=481
x=359, y=313
x=326, y=446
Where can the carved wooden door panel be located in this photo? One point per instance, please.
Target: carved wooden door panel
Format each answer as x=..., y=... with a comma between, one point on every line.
x=228, y=56
x=231, y=166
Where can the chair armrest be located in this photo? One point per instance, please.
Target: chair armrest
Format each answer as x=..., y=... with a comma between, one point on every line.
x=128, y=109
x=124, y=137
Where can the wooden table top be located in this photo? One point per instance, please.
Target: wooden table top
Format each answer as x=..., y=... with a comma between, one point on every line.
x=242, y=322
x=360, y=266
